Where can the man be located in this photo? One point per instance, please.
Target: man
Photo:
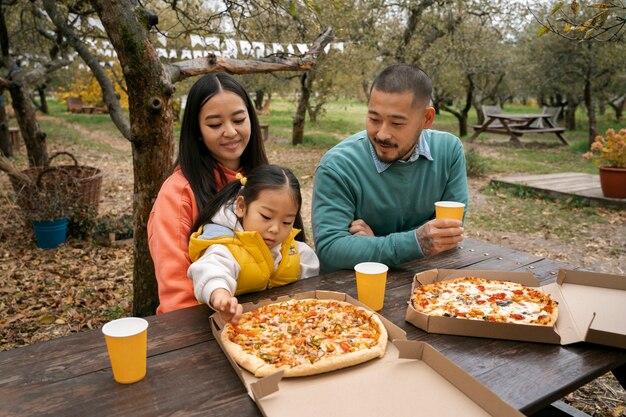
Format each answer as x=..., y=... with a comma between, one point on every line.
x=374, y=193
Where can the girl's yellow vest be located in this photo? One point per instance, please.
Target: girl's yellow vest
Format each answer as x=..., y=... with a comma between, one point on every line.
x=254, y=258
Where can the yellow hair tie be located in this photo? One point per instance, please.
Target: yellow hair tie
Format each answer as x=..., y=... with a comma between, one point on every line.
x=243, y=180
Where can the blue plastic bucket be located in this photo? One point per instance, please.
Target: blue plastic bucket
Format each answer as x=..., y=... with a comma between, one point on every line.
x=50, y=234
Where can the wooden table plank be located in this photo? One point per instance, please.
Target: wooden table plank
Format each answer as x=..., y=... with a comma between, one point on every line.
x=198, y=377
x=85, y=352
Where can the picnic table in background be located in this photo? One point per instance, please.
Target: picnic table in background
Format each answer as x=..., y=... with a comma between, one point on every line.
x=14, y=133
x=517, y=125
x=188, y=374
x=76, y=105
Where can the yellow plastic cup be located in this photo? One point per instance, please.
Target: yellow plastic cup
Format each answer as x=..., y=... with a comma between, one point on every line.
x=371, y=278
x=127, y=343
x=449, y=210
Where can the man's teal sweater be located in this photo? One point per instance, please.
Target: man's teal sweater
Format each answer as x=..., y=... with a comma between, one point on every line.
x=393, y=203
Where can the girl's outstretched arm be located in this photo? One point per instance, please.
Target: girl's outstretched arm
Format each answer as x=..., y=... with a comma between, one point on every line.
x=216, y=268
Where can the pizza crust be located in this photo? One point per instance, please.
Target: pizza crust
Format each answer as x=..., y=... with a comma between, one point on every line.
x=250, y=362
x=326, y=363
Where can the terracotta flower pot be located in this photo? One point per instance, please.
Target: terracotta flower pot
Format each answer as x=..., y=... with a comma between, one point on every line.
x=613, y=182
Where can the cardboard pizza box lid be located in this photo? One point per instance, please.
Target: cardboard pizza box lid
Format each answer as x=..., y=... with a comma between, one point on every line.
x=590, y=307
x=406, y=381
x=595, y=302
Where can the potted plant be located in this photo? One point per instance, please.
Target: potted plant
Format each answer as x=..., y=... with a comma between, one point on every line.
x=49, y=216
x=609, y=152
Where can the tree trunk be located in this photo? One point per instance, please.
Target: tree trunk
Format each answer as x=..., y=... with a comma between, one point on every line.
x=460, y=116
x=570, y=120
x=416, y=10
x=366, y=90
x=303, y=102
x=315, y=110
x=618, y=106
x=591, y=109
x=34, y=137
x=151, y=121
x=42, y=100
x=6, y=146
x=602, y=107
x=258, y=99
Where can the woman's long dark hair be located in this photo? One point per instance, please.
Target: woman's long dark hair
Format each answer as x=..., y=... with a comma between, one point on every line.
x=195, y=160
x=264, y=177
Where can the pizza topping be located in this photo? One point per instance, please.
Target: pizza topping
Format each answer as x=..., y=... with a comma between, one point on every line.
x=483, y=299
x=304, y=331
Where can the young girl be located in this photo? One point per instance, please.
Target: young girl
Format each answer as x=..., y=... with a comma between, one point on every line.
x=219, y=137
x=245, y=240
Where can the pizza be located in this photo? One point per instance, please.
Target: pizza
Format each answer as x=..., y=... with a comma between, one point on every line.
x=483, y=299
x=304, y=337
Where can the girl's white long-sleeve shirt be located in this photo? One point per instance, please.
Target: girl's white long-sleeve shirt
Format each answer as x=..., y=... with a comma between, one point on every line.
x=217, y=267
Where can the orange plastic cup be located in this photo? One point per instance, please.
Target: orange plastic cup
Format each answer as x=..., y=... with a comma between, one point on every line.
x=127, y=343
x=371, y=278
x=449, y=210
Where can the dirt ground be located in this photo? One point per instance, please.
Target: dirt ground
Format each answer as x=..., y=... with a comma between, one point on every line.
x=81, y=285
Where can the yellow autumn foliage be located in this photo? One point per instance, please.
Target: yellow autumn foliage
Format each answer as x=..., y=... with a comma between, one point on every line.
x=87, y=88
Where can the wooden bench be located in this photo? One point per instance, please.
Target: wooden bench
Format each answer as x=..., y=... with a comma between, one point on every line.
x=498, y=126
x=558, y=131
x=75, y=105
x=14, y=133
x=539, y=130
x=265, y=131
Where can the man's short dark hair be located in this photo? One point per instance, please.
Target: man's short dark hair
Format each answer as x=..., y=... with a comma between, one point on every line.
x=398, y=78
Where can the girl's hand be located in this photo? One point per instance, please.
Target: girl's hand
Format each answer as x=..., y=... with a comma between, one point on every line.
x=228, y=307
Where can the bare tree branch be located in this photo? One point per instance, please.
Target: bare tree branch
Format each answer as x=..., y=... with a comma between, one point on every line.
x=108, y=89
x=34, y=76
x=184, y=69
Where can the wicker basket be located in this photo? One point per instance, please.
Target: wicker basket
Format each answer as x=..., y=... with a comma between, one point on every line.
x=80, y=183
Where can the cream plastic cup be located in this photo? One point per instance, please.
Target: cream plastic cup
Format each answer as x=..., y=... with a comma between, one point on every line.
x=371, y=278
x=449, y=210
x=127, y=343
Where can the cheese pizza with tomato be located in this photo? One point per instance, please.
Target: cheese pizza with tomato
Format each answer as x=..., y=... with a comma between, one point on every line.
x=304, y=337
x=484, y=299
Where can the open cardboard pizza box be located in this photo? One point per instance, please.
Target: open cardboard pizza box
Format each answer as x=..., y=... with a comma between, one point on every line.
x=591, y=309
x=412, y=379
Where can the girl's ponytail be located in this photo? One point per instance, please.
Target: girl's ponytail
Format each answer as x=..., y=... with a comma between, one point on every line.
x=224, y=196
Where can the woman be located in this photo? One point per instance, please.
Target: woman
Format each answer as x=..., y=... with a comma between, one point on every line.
x=219, y=138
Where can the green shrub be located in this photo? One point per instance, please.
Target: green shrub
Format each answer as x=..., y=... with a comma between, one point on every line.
x=82, y=222
x=475, y=164
x=122, y=226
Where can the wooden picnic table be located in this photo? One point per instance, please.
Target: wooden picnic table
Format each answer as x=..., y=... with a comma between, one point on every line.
x=14, y=133
x=517, y=125
x=188, y=374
